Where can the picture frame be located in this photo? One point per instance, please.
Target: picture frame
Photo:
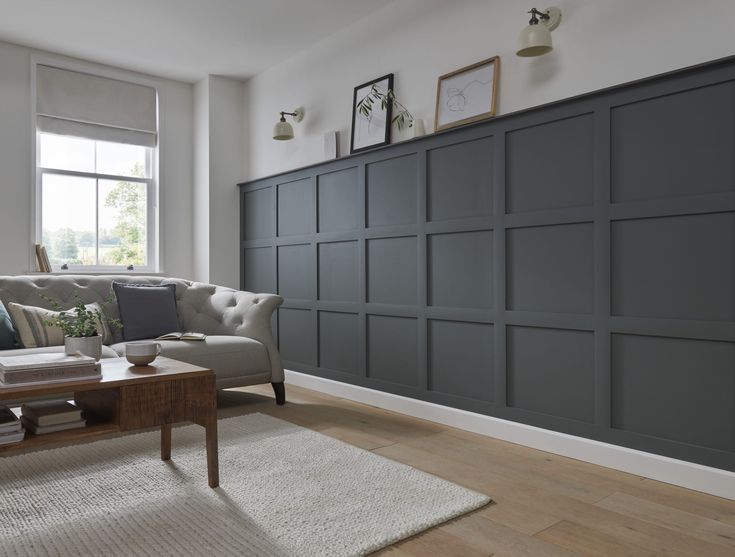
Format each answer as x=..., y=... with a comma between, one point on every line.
x=373, y=131
x=467, y=95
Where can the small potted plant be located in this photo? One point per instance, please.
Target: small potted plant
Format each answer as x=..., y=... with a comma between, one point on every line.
x=80, y=326
x=402, y=119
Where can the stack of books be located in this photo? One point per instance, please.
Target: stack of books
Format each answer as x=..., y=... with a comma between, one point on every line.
x=48, y=416
x=31, y=369
x=11, y=428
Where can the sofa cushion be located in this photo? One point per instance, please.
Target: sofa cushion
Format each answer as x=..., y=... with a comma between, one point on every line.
x=7, y=332
x=227, y=356
x=34, y=333
x=146, y=311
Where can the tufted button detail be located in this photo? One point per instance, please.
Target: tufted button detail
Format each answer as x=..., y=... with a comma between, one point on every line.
x=256, y=300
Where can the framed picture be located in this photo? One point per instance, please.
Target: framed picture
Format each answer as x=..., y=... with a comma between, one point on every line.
x=467, y=95
x=373, y=130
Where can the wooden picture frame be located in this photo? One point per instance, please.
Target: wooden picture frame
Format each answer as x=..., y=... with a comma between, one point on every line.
x=368, y=133
x=467, y=95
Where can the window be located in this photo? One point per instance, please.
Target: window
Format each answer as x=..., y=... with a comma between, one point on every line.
x=94, y=202
x=95, y=171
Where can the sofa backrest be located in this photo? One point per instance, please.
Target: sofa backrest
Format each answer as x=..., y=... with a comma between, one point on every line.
x=28, y=290
x=204, y=308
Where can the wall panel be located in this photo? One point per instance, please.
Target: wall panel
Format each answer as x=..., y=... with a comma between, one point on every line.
x=460, y=180
x=674, y=145
x=461, y=359
x=392, y=349
x=338, y=207
x=461, y=269
x=571, y=266
x=549, y=165
x=550, y=268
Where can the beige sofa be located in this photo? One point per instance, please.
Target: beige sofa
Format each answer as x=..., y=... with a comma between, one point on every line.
x=239, y=347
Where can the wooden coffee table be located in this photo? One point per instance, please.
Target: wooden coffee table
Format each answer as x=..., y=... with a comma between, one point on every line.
x=129, y=398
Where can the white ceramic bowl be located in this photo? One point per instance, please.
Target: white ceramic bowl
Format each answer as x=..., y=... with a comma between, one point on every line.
x=142, y=353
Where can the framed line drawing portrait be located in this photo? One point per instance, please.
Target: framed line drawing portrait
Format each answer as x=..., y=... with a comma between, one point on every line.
x=467, y=95
x=373, y=130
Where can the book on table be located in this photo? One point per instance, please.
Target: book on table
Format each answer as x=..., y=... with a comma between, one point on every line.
x=11, y=428
x=11, y=438
x=35, y=361
x=189, y=335
x=41, y=430
x=9, y=422
x=17, y=371
x=51, y=412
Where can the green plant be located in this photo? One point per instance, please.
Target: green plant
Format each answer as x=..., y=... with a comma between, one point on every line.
x=79, y=321
x=403, y=118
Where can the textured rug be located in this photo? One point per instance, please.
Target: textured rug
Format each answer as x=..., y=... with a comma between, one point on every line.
x=284, y=490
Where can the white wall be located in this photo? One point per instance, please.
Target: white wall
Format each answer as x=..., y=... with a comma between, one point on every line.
x=599, y=43
x=225, y=170
x=16, y=172
x=200, y=221
x=16, y=183
x=218, y=155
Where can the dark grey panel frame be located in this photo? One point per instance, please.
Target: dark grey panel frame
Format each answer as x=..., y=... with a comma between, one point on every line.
x=600, y=217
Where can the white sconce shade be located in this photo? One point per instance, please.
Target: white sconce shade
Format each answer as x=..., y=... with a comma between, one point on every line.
x=283, y=131
x=535, y=39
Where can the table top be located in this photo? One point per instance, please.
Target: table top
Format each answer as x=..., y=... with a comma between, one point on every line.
x=116, y=372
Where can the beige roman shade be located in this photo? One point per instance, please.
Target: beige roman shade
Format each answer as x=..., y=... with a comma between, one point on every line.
x=84, y=105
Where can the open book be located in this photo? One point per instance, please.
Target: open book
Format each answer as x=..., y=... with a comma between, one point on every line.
x=182, y=336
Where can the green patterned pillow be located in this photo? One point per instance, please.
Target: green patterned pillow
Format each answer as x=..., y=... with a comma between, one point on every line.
x=29, y=321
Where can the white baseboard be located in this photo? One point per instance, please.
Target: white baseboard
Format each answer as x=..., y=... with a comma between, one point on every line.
x=678, y=472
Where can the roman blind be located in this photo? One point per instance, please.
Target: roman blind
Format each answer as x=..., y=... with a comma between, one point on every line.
x=94, y=107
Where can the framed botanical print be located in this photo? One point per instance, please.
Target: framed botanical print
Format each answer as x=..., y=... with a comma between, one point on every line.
x=371, y=128
x=467, y=95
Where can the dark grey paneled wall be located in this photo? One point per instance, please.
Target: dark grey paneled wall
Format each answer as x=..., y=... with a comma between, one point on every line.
x=570, y=267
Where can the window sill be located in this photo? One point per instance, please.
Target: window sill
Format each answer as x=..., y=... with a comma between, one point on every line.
x=90, y=273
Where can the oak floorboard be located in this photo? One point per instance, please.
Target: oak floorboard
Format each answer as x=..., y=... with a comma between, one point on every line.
x=693, y=525
x=688, y=500
x=502, y=488
x=561, y=481
x=436, y=542
x=544, y=504
x=591, y=543
x=484, y=534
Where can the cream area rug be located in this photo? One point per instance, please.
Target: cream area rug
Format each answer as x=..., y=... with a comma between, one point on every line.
x=284, y=491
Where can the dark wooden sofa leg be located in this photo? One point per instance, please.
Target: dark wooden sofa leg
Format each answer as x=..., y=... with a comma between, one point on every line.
x=280, y=390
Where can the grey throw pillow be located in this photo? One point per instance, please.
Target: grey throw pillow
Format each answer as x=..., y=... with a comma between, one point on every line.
x=146, y=311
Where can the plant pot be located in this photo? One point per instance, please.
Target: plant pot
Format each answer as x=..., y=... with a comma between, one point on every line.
x=89, y=346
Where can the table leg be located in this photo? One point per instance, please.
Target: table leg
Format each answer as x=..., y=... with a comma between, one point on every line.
x=166, y=442
x=212, y=451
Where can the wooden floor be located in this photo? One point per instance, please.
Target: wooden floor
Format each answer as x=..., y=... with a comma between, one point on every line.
x=544, y=505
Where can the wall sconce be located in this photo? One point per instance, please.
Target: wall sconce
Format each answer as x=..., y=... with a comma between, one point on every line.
x=535, y=39
x=283, y=131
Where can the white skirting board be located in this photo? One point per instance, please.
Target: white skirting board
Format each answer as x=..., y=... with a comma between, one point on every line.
x=670, y=470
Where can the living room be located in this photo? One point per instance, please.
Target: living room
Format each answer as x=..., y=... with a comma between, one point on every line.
x=463, y=274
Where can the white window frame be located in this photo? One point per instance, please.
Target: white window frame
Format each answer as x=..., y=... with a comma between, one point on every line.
x=153, y=251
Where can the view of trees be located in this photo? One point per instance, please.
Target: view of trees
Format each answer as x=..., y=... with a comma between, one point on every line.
x=122, y=244
x=129, y=232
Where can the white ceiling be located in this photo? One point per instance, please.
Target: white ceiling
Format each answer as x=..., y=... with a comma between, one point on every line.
x=179, y=39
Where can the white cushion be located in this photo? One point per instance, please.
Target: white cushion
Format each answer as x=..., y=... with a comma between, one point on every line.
x=228, y=356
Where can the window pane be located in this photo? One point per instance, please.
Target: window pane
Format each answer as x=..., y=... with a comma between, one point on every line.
x=121, y=160
x=66, y=153
x=68, y=218
x=123, y=221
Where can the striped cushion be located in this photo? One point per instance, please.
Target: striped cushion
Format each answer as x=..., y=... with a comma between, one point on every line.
x=29, y=322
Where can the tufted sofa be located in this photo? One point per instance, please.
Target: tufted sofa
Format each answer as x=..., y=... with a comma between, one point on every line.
x=239, y=347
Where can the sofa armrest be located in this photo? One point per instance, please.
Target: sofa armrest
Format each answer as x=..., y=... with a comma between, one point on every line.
x=216, y=310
